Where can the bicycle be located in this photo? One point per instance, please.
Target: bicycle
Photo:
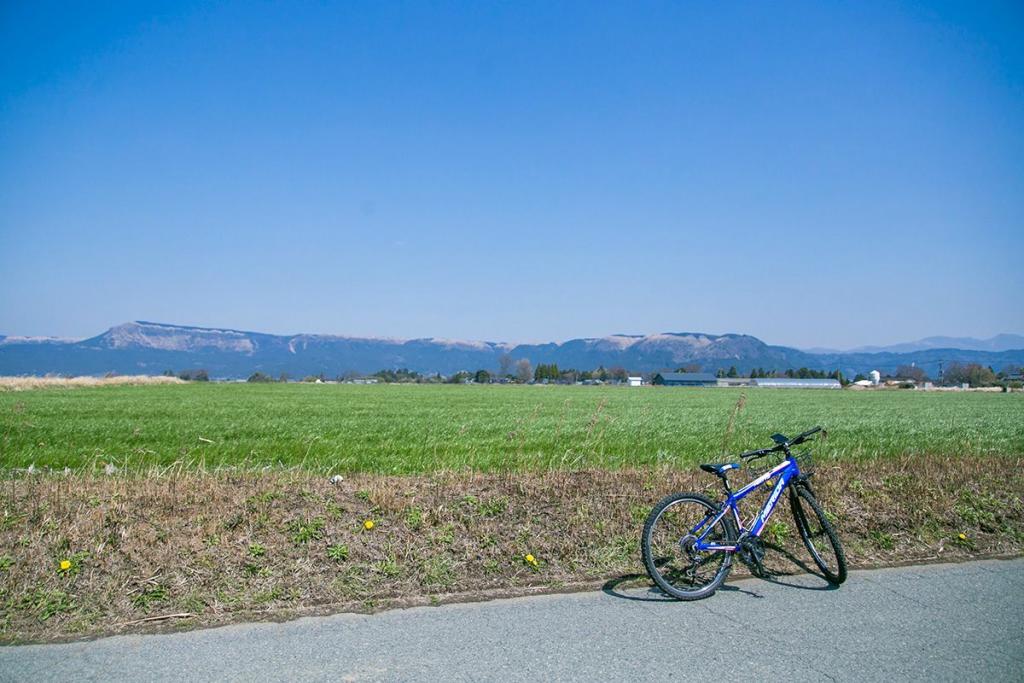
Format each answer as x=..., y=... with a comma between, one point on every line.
x=689, y=540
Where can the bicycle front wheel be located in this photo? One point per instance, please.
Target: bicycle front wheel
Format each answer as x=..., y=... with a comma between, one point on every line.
x=818, y=535
x=668, y=546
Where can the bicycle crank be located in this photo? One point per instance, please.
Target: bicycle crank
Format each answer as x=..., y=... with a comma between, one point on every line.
x=751, y=551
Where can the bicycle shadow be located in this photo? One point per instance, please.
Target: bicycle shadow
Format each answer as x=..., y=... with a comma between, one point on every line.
x=804, y=568
x=796, y=577
x=652, y=593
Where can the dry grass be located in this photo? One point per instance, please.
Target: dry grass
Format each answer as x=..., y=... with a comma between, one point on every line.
x=204, y=549
x=28, y=383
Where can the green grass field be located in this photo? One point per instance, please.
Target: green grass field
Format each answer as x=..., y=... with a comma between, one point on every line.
x=409, y=428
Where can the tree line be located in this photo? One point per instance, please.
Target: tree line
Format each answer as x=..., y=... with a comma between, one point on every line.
x=521, y=371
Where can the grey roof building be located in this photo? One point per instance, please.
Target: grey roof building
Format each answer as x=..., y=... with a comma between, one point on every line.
x=735, y=382
x=686, y=379
x=797, y=383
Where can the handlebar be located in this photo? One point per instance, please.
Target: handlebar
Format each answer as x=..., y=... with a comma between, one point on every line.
x=803, y=437
x=799, y=439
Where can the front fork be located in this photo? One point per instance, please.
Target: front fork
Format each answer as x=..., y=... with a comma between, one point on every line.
x=803, y=480
x=797, y=509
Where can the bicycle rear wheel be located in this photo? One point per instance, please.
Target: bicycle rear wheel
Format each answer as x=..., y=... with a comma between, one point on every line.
x=818, y=535
x=667, y=545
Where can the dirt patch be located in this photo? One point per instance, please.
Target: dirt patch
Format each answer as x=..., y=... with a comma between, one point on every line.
x=87, y=555
x=28, y=383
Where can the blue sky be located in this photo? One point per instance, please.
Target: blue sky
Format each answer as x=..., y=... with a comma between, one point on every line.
x=814, y=174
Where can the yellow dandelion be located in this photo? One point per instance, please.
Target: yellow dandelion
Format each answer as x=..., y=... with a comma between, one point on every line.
x=963, y=537
x=368, y=524
x=65, y=565
x=531, y=559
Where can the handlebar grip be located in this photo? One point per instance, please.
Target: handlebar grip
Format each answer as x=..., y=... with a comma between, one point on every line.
x=803, y=437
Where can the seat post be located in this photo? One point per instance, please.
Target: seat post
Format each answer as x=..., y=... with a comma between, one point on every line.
x=725, y=483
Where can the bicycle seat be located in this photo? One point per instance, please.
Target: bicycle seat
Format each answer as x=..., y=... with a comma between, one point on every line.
x=721, y=468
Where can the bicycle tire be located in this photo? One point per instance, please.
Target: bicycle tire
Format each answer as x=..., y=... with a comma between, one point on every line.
x=834, y=575
x=725, y=531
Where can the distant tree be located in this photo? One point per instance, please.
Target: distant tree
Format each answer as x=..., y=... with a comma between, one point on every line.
x=459, y=377
x=283, y=377
x=504, y=365
x=619, y=373
x=859, y=377
x=400, y=376
x=911, y=372
x=194, y=375
x=974, y=374
x=733, y=372
x=259, y=377
x=719, y=373
x=482, y=377
x=524, y=371
x=547, y=373
x=838, y=375
x=954, y=374
x=168, y=373
x=601, y=373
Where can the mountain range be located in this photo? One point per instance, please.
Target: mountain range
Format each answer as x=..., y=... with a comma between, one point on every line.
x=1000, y=342
x=151, y=348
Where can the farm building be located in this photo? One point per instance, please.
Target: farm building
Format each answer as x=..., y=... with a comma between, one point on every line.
x=796, y=383
x=636, y=381
x=704, y=379
x=686, y=379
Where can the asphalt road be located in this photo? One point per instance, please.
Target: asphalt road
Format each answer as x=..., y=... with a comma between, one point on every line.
x=939, y=622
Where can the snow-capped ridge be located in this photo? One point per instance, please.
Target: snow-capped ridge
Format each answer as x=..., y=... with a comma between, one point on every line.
x=15, y=339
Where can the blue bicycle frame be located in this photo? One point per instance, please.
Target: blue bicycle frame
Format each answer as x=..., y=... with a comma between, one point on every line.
x=786, y=471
